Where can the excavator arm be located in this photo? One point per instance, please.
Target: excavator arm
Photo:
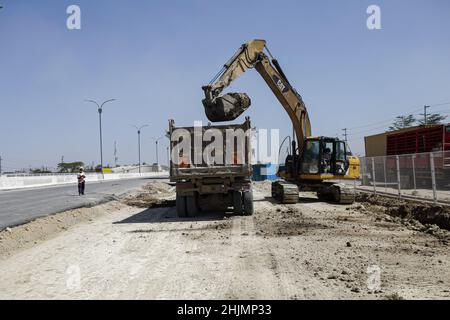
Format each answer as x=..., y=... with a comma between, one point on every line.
x=297, y=172
x=229, y=106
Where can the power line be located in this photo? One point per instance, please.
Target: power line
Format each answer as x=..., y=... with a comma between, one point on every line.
x=382, y=121
x=439, y=104
x=390, y=119
x=368, y=130
x=385, y=123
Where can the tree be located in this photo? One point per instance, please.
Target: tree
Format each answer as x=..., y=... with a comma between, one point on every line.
x=42, y=170
x=70, y=166
x=434, y=118
x=402, y=122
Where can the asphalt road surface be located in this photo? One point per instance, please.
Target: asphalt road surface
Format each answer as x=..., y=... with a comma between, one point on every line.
x=21, y=206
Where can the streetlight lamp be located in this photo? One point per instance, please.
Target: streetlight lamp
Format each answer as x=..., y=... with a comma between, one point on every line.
x=139, y=142
x=100, y=110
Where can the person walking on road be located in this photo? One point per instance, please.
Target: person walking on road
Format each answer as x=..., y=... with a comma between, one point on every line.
x=81, y=182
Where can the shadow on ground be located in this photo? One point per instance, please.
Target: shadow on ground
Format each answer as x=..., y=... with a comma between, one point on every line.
x=300, y=200
x=169, y=214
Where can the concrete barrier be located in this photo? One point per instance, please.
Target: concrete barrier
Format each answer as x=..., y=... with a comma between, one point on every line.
x=22, y=182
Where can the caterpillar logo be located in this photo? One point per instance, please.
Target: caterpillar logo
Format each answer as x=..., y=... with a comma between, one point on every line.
x=280, y=84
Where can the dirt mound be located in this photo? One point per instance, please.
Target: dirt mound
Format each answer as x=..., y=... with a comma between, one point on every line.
x=424, y=213
x=27, y=235
x=153, y=195
x=158, y=187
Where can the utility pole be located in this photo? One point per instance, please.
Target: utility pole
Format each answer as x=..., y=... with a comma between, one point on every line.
x=1, y=165
x=345, y=134
x=425, y=114
x=139, y=142
x=100, y=110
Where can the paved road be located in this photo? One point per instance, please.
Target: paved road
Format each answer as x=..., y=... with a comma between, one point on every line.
x=20, y=206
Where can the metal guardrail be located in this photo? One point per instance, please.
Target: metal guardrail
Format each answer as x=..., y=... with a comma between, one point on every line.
x=11, y=175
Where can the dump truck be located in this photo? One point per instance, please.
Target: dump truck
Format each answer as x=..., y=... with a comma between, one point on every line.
x=211, y=168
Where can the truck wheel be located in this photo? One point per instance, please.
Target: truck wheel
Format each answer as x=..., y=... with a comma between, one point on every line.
x=237, y=202
x=191, y=206
x=181, y=206
x=248, y=203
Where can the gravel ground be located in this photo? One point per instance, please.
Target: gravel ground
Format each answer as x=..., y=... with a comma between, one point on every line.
x=135, y=249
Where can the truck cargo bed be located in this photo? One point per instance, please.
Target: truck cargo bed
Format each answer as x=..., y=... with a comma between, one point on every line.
x=189, y=169
x=211, y=166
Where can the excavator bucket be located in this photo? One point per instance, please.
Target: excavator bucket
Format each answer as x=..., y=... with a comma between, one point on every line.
x=227, y=107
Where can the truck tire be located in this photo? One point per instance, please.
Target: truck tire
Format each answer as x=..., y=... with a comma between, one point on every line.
x=181, y=206
x=237, y=202
x=248, y=203
x=191, y=206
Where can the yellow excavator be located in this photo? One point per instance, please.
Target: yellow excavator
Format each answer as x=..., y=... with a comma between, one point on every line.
x=314, y=163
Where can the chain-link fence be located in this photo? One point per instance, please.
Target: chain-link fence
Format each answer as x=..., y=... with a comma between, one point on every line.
x=420, y=175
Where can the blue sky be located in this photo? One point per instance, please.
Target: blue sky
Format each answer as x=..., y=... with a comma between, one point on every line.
x=154, y=56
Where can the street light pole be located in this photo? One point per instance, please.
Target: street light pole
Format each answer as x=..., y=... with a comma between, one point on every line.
x=100, y=110
x=156, y=144
x=157, y=158
x=139, y=142
x=101, y=141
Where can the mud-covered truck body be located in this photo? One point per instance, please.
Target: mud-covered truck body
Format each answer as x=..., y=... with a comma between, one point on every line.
x=211, y=167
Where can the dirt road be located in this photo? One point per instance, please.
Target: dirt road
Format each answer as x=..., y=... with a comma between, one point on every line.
x=310, y=250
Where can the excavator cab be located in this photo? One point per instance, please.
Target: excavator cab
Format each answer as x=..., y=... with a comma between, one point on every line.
x=323, y=155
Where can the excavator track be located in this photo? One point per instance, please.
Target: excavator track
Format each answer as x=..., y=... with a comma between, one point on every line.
x=285, y=192
x=336, y=192
x=347, y=195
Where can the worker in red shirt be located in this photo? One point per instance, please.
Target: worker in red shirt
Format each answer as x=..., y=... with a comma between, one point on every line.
x=81, y=182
